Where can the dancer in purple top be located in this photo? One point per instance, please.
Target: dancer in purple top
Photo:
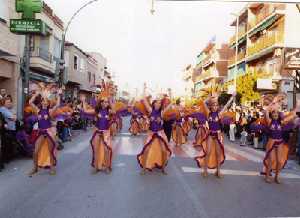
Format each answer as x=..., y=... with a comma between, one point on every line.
x=101, y=141
x=212, y=155
x=45, y=145
x=156, y=151
x=276, y=149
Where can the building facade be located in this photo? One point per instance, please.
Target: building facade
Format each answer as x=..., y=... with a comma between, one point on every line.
x=188, y=81
x=46, y=49
x=212, y=66
x=83, y=71
x=265, y=32
x=10, y=51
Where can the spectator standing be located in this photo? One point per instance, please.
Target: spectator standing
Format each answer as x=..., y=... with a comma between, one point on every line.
x=10, y=129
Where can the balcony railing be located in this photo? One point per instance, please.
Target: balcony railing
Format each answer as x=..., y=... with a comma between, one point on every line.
x=242, y=32
x=240, y=57
x=265, y=41
x=43, y=54
x=206, y=74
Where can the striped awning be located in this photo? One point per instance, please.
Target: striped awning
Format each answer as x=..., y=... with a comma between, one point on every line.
x=268, y=22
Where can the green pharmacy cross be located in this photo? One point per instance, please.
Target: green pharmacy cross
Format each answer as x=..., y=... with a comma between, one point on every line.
x=29, y=8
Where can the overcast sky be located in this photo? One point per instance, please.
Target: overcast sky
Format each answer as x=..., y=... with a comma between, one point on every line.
x=141, y=47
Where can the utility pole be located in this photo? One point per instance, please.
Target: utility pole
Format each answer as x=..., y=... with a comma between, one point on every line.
x=25, y=69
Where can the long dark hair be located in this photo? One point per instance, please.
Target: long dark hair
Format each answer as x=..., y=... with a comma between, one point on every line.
x=99, y=107
x=153, y=105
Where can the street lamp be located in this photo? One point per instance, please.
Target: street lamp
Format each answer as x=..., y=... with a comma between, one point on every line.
x=62, y=62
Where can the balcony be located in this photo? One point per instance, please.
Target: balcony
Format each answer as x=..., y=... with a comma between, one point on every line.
x=265, y=13
x=240, y=57
x=208, y=74
x=242, y=33
x=266, y=41
x=42, y=60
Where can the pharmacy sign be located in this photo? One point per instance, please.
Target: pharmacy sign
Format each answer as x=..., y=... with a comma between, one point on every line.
x=28, y=24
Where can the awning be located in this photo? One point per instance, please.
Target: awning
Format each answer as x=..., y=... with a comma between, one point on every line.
x=268, y=22
x=240, y=41
x=42, y=78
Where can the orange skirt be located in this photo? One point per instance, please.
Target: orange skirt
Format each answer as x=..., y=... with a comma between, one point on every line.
x=209, y=149
x=47, y=148
x=156, y=152
x=187, y=126
x=272, y=147
x=134, y=127
x=179, y=136
x=101, y=150
x=120, y=123
x=200, y=136
x=144, y=125
x=113, y=128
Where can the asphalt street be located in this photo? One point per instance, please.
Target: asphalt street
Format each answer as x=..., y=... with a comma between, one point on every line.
x=76, y=193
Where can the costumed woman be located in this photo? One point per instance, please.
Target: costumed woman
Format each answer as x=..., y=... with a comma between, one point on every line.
x=101, y=142
x=199, y=115
x=179, y=136
x=156, y=151
x=277, y=149
x=135, y=128
x=45, y=145
x=212, y=154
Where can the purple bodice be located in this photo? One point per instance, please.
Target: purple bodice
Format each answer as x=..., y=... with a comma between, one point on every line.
x=179, y=121
x=93, y=102
x=214, y=121
x=275, y=129
x=44, y=119
x=103, y=120
x=154, y=125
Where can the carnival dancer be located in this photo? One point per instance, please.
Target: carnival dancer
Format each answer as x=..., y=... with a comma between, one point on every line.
x=212, y=154
x=135, y=128
x=113, y=125
x=277, y=149
x=179, y=136
x=101, y=141
x=46, y=143
x=144, y=123
x=199, y=116
x=187, y=125
x=156, y=151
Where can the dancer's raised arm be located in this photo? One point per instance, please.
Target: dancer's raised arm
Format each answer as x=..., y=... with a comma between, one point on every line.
x=31, y=101
x=225, y=108
x=85, y=107
x=292, y=115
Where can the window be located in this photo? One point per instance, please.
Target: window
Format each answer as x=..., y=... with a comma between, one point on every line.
x=94, y=79
x=4, y=10
x=57, y=48
x=82, y=65
x=75, y=62
x=89, y=77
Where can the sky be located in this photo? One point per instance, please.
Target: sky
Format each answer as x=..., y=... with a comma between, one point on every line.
x=141, y=47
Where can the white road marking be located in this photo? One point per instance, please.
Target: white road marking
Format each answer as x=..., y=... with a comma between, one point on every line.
x=244, y=154
x=77, y=149
x=238, y=172
x=192, y=152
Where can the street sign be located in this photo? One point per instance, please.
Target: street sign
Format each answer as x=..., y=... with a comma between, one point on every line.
x=22, y=26
x=28, y=8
